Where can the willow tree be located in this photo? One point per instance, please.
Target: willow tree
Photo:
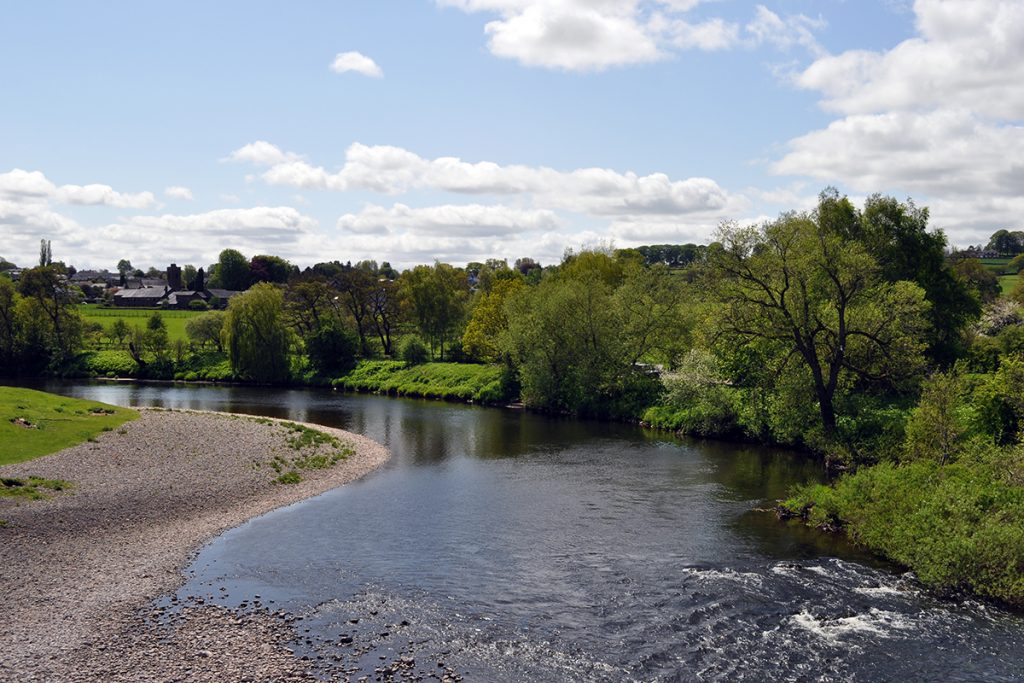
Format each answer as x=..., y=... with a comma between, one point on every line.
x=255, y=335
x=804, y=292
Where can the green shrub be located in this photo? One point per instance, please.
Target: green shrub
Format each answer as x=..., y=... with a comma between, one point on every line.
x=332, y=349
x=958, y=526
x=450, y=381
x=413, y=352
x=108, y=363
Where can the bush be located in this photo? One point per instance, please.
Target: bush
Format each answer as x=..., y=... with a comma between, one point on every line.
x=198, y=305
x=108, y=363
x=332, y=349
x=413, y=352
x=958, y=526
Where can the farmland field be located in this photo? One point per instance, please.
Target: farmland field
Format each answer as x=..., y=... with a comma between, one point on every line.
x=1008, y=282
x=175, y=320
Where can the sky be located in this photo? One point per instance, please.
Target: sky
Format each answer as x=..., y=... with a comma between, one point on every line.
x=411, y=131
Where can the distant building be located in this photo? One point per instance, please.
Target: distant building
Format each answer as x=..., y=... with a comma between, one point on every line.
x=143, y=297
x=151, y=293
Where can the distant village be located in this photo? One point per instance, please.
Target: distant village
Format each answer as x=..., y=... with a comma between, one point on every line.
x=152, y=290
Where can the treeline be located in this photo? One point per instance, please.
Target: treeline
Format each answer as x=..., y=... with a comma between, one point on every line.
x=848, y=331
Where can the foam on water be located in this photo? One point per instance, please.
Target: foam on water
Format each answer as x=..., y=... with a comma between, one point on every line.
x=875, y=622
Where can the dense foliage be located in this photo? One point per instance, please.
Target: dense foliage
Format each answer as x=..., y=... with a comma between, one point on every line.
x=853, y=333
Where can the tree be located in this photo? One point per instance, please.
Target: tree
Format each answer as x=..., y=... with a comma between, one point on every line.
x=356, y=287
x=331, y=348
x=489, y=321
x=437, y=295
x=896, y=235
x=802, y=289
x=120, y=331
x=386, y=309
x=982, y=281
x=156, y=339
x=51, y=304
x=9, y=325
x=257, y=341
x=124, y=268
x=45, y=253
x=576, y=338
x=265, y=268
x=206, y=329
x=308, y=303
x=188, y=277
x=1005, y=242
x=231, y=270
x=938, y=425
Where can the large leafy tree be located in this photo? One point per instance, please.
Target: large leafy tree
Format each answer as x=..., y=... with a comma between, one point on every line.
x=489, y=321
x=257, y=340
x=10, y=325
x=231, y=270
x=267, y=268
x=356, y=287
x=50, y=309
x=800, y=289
x=896, y=234
x=437, y=298
x=578, y=337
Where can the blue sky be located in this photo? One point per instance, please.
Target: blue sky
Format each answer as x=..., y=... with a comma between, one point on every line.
x=466, y=129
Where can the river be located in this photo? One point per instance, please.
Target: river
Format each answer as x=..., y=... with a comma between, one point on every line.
x=517, y=547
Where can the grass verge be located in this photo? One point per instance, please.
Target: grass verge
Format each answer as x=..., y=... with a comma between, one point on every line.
x=34, y=423
x=449, y=381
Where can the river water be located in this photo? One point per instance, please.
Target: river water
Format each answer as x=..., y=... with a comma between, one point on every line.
x=516, y=547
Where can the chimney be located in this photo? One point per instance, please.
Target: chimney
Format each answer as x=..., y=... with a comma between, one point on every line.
x=174, y=277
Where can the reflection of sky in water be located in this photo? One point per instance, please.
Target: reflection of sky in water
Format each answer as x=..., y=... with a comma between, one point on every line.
x=591, y=551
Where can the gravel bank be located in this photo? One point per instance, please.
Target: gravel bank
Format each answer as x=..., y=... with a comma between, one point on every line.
x=79, y=571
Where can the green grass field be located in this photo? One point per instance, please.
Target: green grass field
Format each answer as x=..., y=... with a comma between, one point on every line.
x=996, y=265
x=175, y=320
x=1008, y=282
x=34, y=423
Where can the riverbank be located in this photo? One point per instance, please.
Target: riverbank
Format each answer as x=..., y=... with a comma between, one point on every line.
x=81, y=569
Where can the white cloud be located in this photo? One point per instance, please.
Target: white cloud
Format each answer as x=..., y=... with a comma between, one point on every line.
x=969, y=54
x=469, y=220
x=33, y=184
x=178, y=192
x=261, y=152
x=594, y=191
x=19, y=183
x=572, y=36
x=938, y=115
x=796, y=30
x=591, y=35
x=356, y=62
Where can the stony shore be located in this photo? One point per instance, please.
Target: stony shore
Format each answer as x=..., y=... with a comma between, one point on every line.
x=80, y=571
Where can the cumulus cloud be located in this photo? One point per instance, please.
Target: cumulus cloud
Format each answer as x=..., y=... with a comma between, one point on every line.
x=357, y=62
x=261, y=152
x=938, y=115
x=178, y=192
x=595, y=191
x=469, y=220
x=21, y=184
x=591, y=35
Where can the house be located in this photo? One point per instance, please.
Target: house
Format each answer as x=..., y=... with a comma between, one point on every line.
x=143, y=297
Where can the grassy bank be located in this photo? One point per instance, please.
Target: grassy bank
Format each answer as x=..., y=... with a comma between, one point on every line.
x=34, y=423
x=450, y=381
x=957, y=527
